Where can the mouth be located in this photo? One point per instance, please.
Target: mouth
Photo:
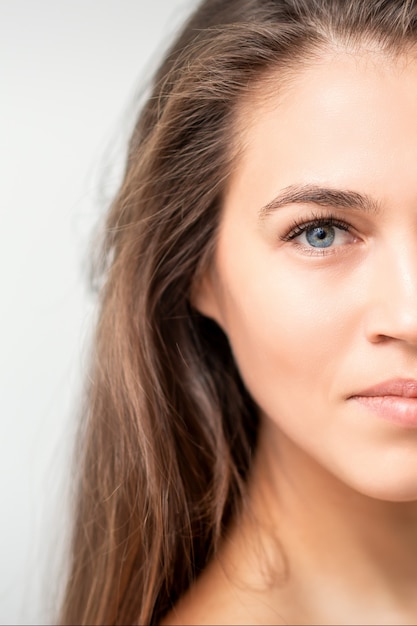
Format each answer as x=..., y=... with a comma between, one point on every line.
x=393, y=400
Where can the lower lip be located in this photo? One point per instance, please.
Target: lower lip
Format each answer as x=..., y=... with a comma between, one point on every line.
x=396, y=409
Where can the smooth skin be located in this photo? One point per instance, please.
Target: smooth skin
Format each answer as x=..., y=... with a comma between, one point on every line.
x=316, y=311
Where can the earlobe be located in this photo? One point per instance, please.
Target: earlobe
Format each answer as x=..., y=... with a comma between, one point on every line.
x=205, y=297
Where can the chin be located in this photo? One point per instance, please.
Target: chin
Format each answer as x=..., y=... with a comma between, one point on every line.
x=394, y=484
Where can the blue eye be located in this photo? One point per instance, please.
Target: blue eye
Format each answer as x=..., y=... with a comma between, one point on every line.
x=320, y=236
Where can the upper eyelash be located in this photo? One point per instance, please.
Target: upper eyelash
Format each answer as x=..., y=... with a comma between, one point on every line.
x=300, y=226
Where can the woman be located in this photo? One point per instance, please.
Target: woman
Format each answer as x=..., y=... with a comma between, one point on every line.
x=249, y=452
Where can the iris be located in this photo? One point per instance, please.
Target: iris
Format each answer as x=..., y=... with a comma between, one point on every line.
x=320, y=236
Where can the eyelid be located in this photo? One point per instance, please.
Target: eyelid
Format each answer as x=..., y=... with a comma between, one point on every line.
x=301, y=225
x=298, y=227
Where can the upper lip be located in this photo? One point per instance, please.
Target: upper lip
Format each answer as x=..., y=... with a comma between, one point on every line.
x=402, y=387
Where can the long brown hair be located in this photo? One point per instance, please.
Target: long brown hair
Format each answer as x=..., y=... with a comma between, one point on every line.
x=169, y=431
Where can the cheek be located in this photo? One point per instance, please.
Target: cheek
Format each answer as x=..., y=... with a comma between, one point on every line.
x=289, y=329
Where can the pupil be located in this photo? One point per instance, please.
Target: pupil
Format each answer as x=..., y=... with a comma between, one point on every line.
x=320, y=236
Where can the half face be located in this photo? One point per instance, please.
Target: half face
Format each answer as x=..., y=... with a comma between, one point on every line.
x=315, y=275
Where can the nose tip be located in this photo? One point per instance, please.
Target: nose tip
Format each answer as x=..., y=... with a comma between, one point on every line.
x=394, y=309
x=401, y=329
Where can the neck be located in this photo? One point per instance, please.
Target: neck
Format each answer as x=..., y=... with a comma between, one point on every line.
x=339, y=551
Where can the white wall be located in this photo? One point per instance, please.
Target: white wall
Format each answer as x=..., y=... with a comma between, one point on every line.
x=68, y=71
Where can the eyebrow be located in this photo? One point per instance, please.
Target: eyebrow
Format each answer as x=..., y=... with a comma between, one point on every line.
x=322, y=196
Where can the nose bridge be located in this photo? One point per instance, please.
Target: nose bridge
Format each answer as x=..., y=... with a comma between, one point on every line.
x=394, y=287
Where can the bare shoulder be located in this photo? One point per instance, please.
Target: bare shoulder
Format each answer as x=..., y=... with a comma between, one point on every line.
x=210, y=601
x=235, y=588
x=196, y=610
x=216, y=599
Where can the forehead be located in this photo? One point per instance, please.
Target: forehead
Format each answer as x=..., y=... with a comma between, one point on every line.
x=347, y=119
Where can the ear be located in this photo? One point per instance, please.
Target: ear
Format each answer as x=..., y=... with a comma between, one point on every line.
x=206, y=296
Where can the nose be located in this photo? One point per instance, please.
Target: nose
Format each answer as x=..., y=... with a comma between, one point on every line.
x=392, y=296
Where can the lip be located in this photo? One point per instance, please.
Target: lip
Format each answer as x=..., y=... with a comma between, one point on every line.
x=393, y=400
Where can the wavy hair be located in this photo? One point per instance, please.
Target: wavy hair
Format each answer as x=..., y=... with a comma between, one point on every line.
x=168, y=429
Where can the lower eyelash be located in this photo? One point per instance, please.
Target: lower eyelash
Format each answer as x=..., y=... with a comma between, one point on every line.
x=299, y=227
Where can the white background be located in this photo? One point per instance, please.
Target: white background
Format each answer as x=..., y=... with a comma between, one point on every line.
x=69, y=72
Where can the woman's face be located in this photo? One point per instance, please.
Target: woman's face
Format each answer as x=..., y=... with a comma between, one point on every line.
x=315, y=275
